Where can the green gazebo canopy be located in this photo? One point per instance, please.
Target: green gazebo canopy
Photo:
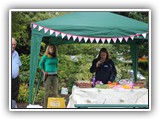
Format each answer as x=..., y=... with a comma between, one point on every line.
x=86, y=27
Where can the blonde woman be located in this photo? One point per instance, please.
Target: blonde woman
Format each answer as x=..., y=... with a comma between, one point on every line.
x=49, y=67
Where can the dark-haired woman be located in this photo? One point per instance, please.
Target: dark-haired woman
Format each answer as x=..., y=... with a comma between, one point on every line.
x=103, y=67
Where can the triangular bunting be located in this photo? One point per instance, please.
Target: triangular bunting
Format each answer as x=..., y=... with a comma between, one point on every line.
x=80, y=38
x=74, y=37
x=144, y=35
x=40, y=28
x=51, y=32
x=34, y=25
x=132, y=37
x=114, y=40
x=69, y=36
x=45, y=30
x=63, y=35
x=103, y=40
x=91, y=39
x=109, y=40
x=57, y=33
x=97, y=40
x=120, y=39
x=126, y=38
x=85, y=39
x=138, y=34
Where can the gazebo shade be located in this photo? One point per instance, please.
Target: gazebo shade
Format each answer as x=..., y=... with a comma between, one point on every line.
x=87, y=28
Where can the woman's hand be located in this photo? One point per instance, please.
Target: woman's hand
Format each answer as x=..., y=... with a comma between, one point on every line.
x=44, y=73
x=98, y=63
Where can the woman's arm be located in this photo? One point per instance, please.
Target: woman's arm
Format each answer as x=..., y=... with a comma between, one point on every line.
x=93, y=67
x=41, y=63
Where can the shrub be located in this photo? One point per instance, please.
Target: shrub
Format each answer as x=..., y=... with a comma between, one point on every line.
x=24, y=94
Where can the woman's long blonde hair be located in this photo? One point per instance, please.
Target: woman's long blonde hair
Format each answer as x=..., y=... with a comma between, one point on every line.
x=54, y=53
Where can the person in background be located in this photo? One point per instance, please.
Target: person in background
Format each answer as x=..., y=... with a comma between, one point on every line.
x=103, y=67
x=49, y=67
x=16, y=63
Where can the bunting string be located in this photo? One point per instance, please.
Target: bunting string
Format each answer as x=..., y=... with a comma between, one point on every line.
x=87, y=38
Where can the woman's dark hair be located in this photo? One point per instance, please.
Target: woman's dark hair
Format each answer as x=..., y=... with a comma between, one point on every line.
x=105, y=51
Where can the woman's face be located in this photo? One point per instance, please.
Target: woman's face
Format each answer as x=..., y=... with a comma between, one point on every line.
x=103, y=56
x=51, y=49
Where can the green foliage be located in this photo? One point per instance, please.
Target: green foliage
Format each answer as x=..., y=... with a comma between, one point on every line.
x=24, y=76
x=24, y=69
x=24, y=92
x=72, y=69
x=118, y=51
x=25, y=59
x=122, y=71
x=141, y=16
x=143, y=50
x=40, y=95
x=76, y=49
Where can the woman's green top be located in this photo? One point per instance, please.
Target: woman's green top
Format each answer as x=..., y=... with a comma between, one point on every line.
x=49, y=64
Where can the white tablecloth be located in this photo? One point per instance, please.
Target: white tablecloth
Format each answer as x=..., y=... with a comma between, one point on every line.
x=107, y=96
